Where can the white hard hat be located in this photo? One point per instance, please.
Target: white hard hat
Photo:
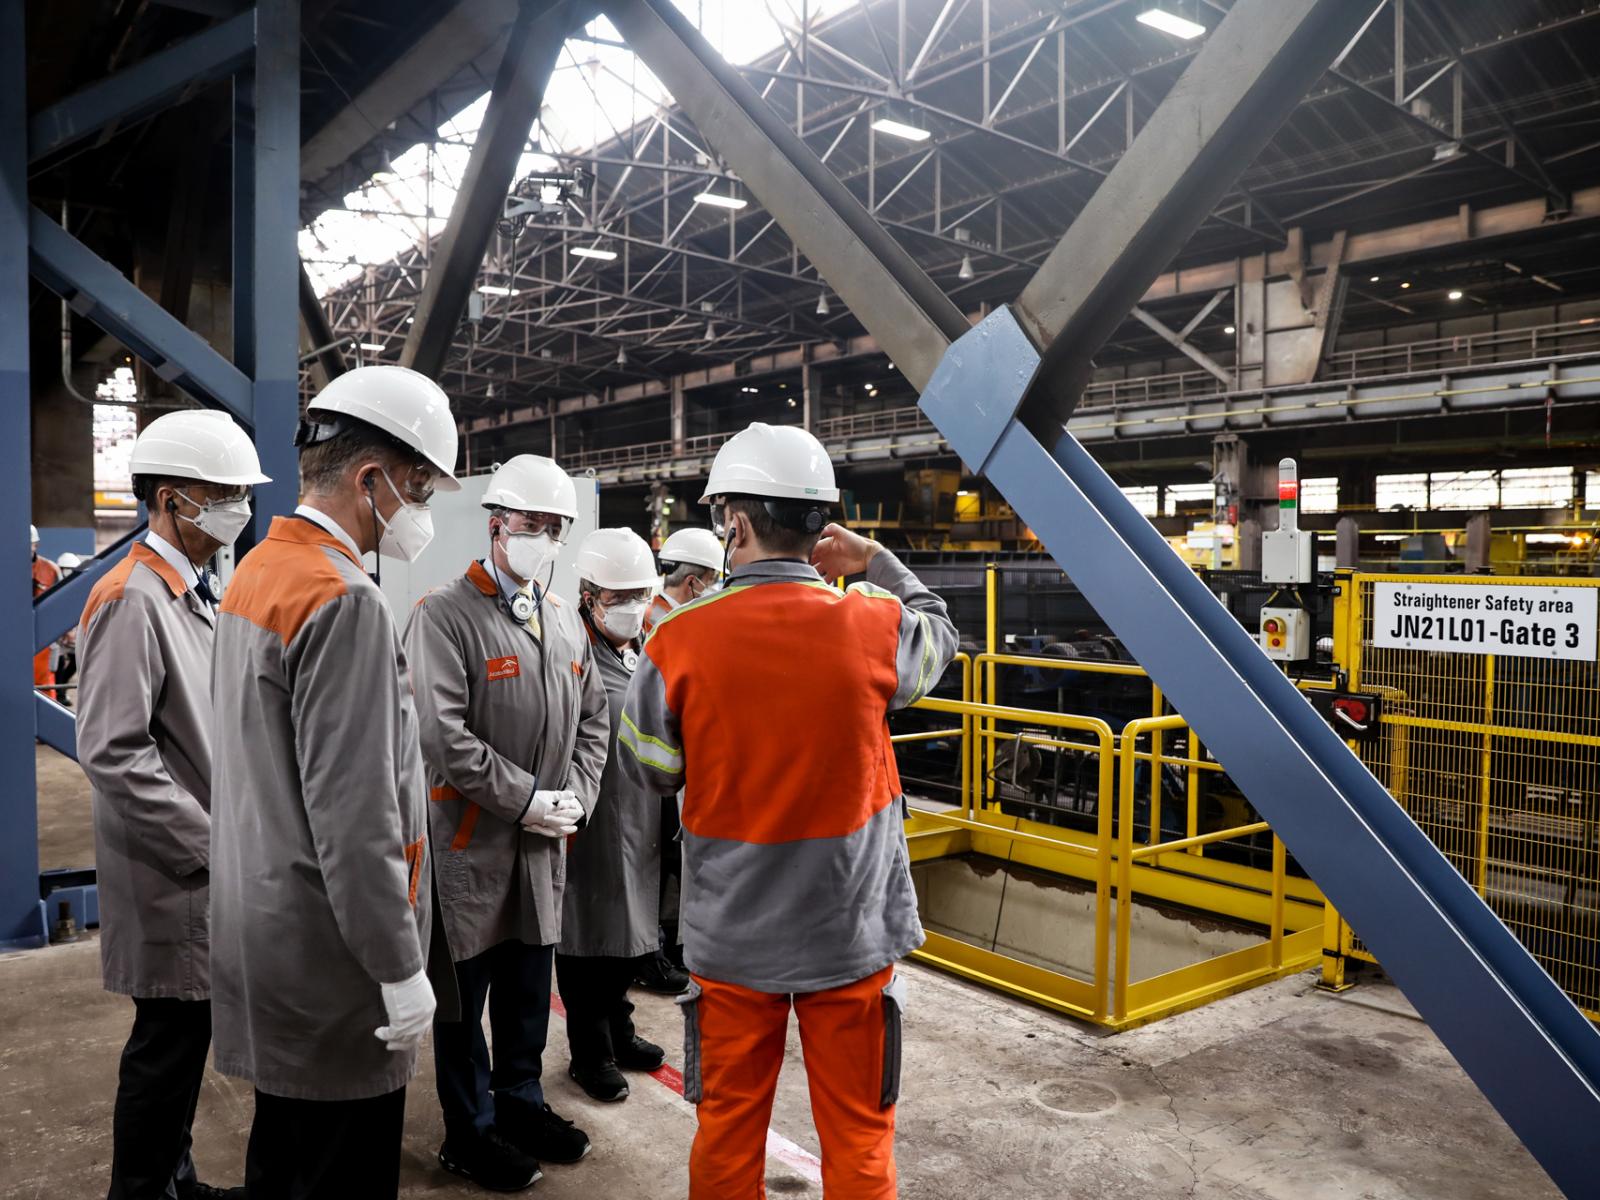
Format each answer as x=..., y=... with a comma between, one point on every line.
x=779, y=462
x=618, y=559
x=406, y=405
x=70, y=561
x=532, y=483
x=198, y=443
x=698, y=547
x=33, y=533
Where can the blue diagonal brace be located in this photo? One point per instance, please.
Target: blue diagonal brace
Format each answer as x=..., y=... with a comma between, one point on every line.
x=58, y=610
x=147, y=87
x=1525, y=1044
x=100, y=293
x=57, y=725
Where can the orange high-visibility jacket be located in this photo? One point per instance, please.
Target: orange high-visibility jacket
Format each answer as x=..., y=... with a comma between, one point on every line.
x=768, y=703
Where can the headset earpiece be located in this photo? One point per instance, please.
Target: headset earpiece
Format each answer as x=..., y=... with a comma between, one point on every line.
x=172, y=505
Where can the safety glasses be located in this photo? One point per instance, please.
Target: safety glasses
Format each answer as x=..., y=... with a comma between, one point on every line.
x=536, y=522
x=610, y=599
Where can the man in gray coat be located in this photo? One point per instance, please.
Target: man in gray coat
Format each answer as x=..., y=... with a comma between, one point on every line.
x=144, y=742
x=321, y=881
x=515, y=733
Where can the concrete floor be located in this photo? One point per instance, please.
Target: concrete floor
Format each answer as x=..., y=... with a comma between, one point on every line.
x=1281, y=1092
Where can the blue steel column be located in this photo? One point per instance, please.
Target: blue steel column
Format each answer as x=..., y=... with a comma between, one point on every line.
x=266, y=260
x=20, y=920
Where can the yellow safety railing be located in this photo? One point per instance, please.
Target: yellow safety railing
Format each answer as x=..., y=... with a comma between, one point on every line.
x=1121, y=869
x=1497, y=759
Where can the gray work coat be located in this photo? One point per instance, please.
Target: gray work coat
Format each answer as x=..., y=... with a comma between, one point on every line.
x=144, y=741
x=612, y=904
x=320, y=881
x=502, y=713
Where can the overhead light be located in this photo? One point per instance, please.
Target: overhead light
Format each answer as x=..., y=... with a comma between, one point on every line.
x=496, y=289
x=375, y=347
x=716, y=201
x=1179, y=27
x=962, y=492
x=1228, y=329
x=488, y=392
x=1455, y=295
x=872, y=391
x=822, y=304
x=622, y=356
x=1406, y=284
x=900, y=129
x=1445, y=150
x=385, y=172
x=793, y=402
x=411, y=320
x=966, y=271
x=1375, y=279
x=749, y=390
x=594, y=252
x=711, y=331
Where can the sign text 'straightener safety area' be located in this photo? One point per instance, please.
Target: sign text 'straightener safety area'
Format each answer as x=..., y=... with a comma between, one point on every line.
x=1523, y=620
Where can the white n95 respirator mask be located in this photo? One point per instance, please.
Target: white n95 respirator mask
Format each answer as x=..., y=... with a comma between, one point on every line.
x=220, y=520
x=528, y=554
x=625, y=620
x=408, y=531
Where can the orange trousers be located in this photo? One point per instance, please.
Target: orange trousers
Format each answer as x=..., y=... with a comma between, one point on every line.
x=741, y=1036
x=43, y=676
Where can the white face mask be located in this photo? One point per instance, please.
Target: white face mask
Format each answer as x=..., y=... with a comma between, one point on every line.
x=407, y=533
x=528, y=554
x=221, y=520
x=625, y=620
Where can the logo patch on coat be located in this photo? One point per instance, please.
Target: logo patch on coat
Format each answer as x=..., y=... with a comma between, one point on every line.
x=504, y=668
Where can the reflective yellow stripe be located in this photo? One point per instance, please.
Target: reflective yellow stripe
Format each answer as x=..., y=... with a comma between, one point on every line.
x=654, y=741
x=626, y=739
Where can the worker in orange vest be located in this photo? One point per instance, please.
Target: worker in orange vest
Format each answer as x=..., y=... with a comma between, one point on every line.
x=45, y=576
x=768, y=703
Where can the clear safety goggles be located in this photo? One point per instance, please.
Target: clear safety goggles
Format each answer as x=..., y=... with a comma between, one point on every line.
x=719, y=518
x=202, y=494
x=417, y=484
x=537, y=522
x=611, y=599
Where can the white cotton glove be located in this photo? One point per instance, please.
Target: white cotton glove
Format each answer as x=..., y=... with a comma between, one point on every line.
x=553, y=814
x=409, y=1005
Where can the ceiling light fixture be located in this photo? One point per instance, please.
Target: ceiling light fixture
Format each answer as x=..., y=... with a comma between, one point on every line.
x=1228, y=329
x=1455, y=295
x=1375, y=279
x=622, y=356
x=966, y=271
x=716, y=201
x=822, y=304
x=375, y=347
x=1405, y=284
x=900, y=129
x=496, y=289
x=1166, y=22
x=711, y=331
x=594, y=252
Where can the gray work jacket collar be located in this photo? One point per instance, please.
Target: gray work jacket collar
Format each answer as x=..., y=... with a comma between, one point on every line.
x=773, y=570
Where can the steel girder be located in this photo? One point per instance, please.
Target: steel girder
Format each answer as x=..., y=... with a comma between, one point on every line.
x=1000, y=394
x=530, y=57
x=259, y=388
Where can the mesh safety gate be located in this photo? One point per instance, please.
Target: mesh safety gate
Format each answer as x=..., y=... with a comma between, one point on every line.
x=1497, y=759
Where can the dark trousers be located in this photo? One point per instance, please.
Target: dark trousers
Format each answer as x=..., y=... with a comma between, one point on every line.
x=515, y=978
x=158, y=1086
x=599, y=1017
x=325, y=1149
x=671, y=878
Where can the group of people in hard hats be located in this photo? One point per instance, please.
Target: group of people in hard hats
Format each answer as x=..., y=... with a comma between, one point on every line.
x=323, y=833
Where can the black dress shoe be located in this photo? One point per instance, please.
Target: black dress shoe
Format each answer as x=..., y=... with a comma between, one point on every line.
x=640, y=1055
x=205, y=1191
x=490, y=1162
x=543, y=1134
x=601, y=1080
x=657, y=974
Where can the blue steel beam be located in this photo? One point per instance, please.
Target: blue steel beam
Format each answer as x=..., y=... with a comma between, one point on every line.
x=1519, y=1037
x=157, y=82
x=20, y=923
x=99, y=292
x=58, y=610
x=266, y=256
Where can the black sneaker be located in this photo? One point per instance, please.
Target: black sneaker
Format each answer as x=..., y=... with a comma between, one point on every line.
x=543, y=1134
x=489, y=1161
x=640, y=1055
x=601, y=1080
x=657, y=974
